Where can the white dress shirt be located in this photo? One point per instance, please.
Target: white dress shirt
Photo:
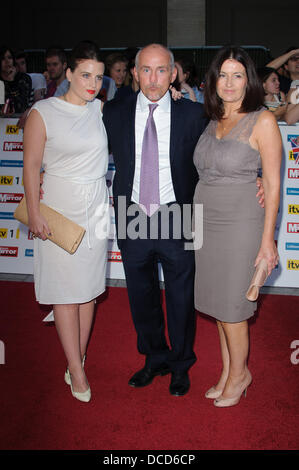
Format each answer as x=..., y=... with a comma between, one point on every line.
x=162, y=121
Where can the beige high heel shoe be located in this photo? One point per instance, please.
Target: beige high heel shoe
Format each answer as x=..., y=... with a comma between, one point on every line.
x=212, y=393
x=67, y=375
x=81, y=396
x=225, y=402
x=258, y=280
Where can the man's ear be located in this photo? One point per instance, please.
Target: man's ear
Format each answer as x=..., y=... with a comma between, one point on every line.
x=68, y=74
x=136, y=74
x=174, y=74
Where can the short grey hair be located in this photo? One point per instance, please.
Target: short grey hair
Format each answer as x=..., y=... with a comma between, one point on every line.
x=171, y=57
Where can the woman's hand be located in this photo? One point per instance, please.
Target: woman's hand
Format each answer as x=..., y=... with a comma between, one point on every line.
x=12, y=73
x=39, y=227
x=189, y=90
x=176, y=95
x=260, y=194
x=268, y=251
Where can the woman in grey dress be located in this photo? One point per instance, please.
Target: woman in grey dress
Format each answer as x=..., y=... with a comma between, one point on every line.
x=237, y=233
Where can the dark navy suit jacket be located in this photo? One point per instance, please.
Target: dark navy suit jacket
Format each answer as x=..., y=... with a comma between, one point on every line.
x=187, y=124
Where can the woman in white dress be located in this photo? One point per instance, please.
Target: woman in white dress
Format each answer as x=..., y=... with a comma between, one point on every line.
x=66, y=137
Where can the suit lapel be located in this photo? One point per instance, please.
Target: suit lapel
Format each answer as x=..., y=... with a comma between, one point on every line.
x=176, y=127
x=128, y=121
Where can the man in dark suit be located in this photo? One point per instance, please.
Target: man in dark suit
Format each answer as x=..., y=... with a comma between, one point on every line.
x=177, y=127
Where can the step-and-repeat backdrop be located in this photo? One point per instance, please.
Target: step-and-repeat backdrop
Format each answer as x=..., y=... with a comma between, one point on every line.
x=16, y=244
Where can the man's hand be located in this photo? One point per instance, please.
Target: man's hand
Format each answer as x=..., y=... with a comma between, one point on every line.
x=260, y=194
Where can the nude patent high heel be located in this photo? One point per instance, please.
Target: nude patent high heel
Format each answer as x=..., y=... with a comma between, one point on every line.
x=212, y=393
x=225, y=402
x=258, y=280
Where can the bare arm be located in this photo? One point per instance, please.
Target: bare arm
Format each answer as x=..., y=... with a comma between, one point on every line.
x=34, y=144
x=279, y=61
x=280, y=111
x=292, y=114
x=268, y=139
x=188, y=88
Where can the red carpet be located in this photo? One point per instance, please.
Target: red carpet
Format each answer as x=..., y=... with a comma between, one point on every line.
x=38, y=411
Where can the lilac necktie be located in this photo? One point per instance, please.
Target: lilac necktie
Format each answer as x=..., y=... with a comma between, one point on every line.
x=149, y=194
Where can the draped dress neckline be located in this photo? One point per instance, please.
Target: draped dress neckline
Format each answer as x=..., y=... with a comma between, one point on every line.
x=230, y=131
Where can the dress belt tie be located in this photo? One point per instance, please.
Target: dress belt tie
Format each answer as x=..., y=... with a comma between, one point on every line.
x=87, y=221
x=81, y=181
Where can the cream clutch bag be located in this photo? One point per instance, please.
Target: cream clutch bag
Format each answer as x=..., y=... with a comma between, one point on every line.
x=258, y=280
x=64, y=232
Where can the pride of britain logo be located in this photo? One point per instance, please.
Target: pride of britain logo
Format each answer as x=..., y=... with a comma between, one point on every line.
x=294, y=152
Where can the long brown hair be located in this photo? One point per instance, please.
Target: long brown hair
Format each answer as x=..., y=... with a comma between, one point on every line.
x=254, y=95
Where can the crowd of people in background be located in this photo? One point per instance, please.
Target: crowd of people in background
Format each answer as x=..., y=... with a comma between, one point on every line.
x=279, y=77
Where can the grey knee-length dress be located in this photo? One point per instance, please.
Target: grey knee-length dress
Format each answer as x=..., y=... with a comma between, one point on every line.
x=233, y=220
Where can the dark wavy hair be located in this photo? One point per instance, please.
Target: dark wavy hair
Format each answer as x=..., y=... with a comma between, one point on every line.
x=111, y=59
x=3, y=49
x=84, y=50
x=265, y=72
x=56, y=50
x=254, y=94
x=189, y=68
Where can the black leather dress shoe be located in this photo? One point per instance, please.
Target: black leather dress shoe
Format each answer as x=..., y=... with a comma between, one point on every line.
x=179, y=384
x=145, y=376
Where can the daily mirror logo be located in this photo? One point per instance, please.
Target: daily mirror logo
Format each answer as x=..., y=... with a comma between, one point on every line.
x=292, y=227
x=9, y=251
x=13, y=198
x=293, y=173
x=13, y=146
x=114, y=256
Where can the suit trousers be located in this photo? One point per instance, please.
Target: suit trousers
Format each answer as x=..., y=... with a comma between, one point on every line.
x=140, y=258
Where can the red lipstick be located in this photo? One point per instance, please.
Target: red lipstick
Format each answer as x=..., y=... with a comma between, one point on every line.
x=92, y=92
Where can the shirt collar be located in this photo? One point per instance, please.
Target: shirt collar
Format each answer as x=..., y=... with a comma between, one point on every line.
x=164, y=102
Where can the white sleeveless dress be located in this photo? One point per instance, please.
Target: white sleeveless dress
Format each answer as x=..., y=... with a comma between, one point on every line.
x=75, y=161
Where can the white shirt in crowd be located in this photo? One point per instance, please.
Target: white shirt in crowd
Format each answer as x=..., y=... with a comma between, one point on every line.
x=62, y=88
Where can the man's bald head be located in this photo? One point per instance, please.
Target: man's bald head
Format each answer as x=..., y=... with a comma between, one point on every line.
x=154, y=70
